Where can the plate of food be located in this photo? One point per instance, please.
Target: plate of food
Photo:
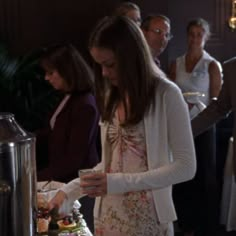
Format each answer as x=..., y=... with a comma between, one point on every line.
x=66, y=223
x=70, y=224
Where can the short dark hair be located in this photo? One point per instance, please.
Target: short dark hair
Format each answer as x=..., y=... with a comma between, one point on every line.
x=124, y=7
x=70, y=65
x=201, y=23
x=147, y=20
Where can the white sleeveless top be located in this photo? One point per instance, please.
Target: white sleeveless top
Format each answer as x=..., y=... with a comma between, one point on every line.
x=198, y=80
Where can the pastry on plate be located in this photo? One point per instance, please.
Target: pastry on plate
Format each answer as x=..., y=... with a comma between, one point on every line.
x=67, y=223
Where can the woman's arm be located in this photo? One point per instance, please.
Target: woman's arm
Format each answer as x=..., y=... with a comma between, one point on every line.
x=215, y=79
x=72, y=190
x=178, y=140
x=219, y=108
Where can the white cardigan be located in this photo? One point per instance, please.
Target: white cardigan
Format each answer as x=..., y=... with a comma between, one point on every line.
x=170, y=154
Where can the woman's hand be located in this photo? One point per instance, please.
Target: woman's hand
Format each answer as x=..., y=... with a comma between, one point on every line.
x=57, y=200
x=94, y=184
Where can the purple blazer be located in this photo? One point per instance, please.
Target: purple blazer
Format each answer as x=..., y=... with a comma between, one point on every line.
x=72, y=144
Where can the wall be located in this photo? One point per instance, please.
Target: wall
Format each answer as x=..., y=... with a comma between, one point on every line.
x=216, y=12
x=28, y=24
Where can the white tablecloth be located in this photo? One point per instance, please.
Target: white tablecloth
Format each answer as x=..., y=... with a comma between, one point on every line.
x=228, y=204
x=88, y=233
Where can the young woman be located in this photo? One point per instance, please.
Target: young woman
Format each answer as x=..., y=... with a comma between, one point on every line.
x=198, y=72
x=147, y=144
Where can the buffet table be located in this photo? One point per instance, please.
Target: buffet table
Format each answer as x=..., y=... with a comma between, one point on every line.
x=85, y=232
x=228, y=204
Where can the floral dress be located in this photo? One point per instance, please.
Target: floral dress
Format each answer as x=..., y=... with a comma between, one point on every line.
x=131, y=213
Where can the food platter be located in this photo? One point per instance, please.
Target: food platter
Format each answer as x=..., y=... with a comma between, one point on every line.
x=78, y=230
x=72, y=224
x=51, y=222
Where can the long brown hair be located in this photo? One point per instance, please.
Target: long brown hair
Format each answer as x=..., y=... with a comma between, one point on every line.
x=136, y=69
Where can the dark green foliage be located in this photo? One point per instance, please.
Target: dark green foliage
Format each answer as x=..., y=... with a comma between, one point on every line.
x=23, y=90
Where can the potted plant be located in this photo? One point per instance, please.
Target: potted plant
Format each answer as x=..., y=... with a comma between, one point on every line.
x=23, y=91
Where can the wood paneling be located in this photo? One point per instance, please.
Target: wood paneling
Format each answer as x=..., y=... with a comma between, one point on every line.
x=9, y=20
x=28, y=24
x=221, y=44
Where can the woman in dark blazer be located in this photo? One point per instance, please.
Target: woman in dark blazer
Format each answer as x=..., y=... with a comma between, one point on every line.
x=72, y=130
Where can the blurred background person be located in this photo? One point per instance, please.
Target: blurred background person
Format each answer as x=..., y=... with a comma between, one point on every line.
x=216, y=111
x=157, y=31
x=130, y=10
x=197, y=72
x=71, y=132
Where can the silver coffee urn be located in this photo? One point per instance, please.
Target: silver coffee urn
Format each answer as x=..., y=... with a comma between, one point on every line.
x=17, y=179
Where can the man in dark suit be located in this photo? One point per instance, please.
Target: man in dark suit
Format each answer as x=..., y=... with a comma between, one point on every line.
x=221, y=107
x=156, y=29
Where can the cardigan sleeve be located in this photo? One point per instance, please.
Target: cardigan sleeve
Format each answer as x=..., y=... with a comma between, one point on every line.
x=72, y=189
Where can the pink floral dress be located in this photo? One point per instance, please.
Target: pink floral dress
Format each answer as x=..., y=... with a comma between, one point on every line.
x=132, y=213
